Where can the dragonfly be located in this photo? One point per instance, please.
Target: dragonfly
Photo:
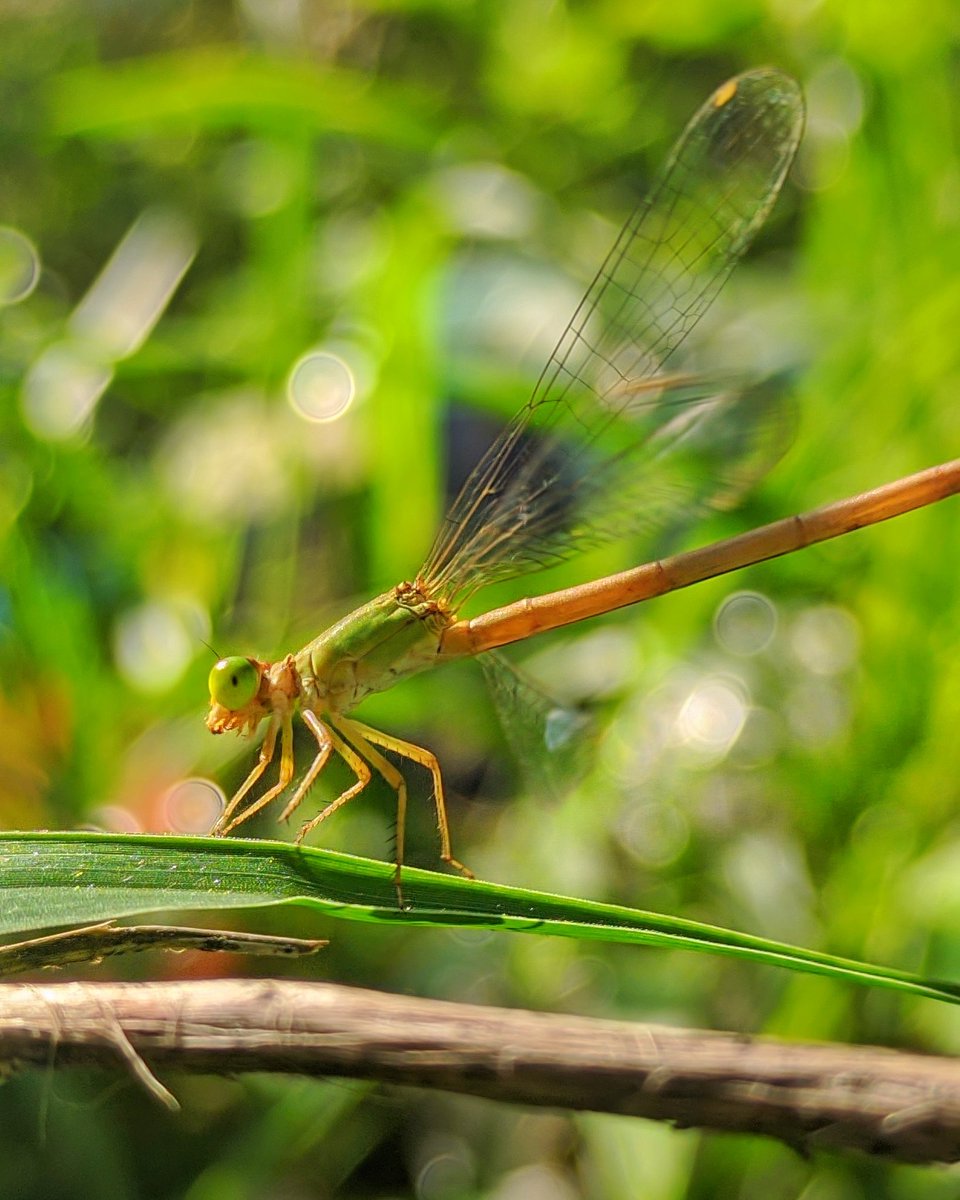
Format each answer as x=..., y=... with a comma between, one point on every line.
x=616, y=437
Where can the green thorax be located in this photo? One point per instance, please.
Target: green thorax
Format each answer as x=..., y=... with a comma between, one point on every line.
x=391, y=636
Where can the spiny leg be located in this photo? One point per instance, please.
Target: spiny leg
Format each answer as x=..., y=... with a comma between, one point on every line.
x=357, y=731
x=392, y=776
x=267, y=751
x=325, y=742
x=356, y=764
x=395, y=780
x=286, y=774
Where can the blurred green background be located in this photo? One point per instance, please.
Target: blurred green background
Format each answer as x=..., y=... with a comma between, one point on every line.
x=222, y=219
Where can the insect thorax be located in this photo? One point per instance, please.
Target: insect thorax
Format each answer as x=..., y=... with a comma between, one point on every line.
x=393, y=636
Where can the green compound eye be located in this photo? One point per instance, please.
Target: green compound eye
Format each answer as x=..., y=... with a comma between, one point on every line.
x=234, y=682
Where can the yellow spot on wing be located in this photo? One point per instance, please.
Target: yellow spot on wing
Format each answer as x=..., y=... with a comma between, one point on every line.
x=725, y=93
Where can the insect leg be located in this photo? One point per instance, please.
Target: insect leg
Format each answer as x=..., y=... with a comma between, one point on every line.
x=325, y=742
x=286, y=774
x=353, y=761
x=267, y=751
x=357, y=731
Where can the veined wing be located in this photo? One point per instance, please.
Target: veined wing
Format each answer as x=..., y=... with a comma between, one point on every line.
x=552, y=742
x=593, y=453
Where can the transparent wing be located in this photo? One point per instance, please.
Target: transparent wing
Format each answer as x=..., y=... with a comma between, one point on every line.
x=605, y=445
x=552, y=742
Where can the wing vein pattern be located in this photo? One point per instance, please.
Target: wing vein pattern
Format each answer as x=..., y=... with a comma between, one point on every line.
x=609, y=441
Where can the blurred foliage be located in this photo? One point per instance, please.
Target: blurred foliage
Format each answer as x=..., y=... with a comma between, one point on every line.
x=422, y=190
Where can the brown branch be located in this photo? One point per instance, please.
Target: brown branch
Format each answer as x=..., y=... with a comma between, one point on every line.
x=91, y=943
x=883, y=1102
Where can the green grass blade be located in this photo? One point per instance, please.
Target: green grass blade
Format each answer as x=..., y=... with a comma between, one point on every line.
x=53, y=879
x=217, y=87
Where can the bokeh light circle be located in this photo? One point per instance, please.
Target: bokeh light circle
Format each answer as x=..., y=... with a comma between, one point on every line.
x=713, y=715
x=193, y=806
x=321, y=386
x=19, y=266
x=745, y=623
x=826, y=639
x=152, y=645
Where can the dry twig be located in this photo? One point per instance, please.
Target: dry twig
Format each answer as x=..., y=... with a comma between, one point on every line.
x=883, y=1102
